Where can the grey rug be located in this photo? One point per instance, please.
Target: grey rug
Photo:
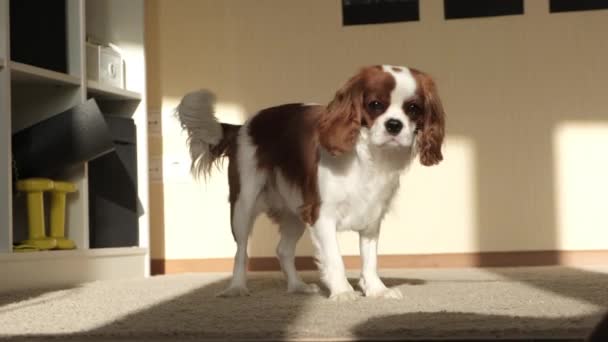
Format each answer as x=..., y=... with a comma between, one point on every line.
x=440, y=304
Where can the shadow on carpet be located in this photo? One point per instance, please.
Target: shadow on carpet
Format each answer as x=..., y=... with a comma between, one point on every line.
x=452, y=305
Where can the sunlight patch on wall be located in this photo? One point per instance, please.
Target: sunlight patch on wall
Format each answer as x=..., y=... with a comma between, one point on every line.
x=175, y=155
x=581, y=184
x=196, y=213
x=132, y=54
x=429, y=199
x=172, y=134
x=197, y=219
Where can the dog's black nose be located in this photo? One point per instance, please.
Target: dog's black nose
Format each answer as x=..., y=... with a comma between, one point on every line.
x=393, y=126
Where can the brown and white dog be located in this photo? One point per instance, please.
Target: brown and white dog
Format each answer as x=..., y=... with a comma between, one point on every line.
x=334, y=167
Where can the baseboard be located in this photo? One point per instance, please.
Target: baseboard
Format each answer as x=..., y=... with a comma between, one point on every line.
x=446, y=260
x=67, y=268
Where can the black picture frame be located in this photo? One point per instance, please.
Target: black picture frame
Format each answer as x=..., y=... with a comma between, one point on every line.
x=365, y=12
x=466, y=9
x=557, y=6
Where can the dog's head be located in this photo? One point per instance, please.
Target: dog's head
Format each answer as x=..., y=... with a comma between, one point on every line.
x=400, y=107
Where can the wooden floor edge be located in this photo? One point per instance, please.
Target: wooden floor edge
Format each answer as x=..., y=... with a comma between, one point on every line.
x=447, y=260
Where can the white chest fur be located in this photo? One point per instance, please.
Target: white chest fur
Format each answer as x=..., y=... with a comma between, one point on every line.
x=356, y=189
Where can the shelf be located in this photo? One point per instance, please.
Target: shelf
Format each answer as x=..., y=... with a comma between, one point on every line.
x=105, y=92
x=29, y=74
x=70, y=268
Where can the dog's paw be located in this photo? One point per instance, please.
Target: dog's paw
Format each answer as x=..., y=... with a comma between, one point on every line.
x=384, y=292
x=345, y=296
x=302, y=287
x=234, y=291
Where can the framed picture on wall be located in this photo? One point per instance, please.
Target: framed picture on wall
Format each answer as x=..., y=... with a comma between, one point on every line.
x=463, y=9
x=363, y=12
x=578, y=5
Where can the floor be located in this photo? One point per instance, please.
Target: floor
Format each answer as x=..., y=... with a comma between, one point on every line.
x=523, y=304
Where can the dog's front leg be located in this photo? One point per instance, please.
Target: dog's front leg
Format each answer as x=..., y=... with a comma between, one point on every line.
x=370, y=283
x=329, y=260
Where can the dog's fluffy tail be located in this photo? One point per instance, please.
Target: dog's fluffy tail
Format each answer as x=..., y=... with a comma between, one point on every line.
x=208, y=139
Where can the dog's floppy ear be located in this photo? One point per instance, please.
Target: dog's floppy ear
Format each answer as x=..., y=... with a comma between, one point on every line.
x=340, y=123
x=431, y=130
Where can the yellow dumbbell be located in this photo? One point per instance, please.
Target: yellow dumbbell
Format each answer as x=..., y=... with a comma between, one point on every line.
x=37, y=239
x=58, y=213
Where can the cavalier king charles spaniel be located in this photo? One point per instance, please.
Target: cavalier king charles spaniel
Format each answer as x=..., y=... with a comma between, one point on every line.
x=333, y=168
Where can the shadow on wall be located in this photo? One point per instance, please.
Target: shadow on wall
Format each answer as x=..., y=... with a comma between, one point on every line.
x=537, y=169
x=525, y=163
x=155, y=148
x=537, y=155
x=537, y=125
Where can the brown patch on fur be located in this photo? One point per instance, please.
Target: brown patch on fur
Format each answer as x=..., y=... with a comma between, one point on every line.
x=288, y=137
x=397, y=69
x=339, y=126
x=377, y=87
x=287, y=141
x=431, y=124
x=227, y=147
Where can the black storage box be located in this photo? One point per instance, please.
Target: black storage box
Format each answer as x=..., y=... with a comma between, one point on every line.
x=65, y=140
x=113, y=200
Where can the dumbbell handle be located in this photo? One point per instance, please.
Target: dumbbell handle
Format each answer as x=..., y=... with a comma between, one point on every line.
x=35, y=204
x=58, y=213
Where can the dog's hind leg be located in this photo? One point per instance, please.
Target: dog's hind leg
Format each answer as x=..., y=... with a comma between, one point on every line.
x=245, y=189
x=243, y=214
x=292, y=229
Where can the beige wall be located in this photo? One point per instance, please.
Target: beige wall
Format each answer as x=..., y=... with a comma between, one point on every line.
x=526, y=156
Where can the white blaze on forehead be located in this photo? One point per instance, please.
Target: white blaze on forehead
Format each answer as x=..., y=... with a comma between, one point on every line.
x=405, y=90
x=405, y=85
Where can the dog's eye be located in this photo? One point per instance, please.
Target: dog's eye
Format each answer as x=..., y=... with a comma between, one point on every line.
x=375, y=106
x=413, y=110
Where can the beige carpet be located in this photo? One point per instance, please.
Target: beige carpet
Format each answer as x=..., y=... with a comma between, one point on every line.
x=464, y=304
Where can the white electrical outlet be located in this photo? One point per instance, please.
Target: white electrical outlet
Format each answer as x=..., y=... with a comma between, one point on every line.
x=176, y=168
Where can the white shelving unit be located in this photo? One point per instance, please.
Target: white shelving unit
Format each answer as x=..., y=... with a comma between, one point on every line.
x=30, y=94
x=111, y=93
x=29, y=74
